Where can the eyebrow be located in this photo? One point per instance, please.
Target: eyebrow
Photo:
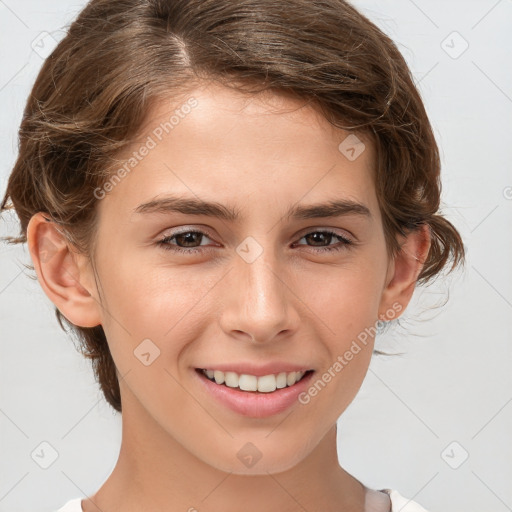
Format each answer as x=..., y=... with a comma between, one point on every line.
x=193, y=206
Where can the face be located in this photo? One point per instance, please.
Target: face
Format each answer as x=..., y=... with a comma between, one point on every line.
x=258, y=278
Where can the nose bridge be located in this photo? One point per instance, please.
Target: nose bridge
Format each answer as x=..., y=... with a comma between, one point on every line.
x=260, y=303
x=264, y=290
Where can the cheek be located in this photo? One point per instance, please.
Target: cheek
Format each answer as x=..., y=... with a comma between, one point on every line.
x=158, y=303
x=346, y=298
x=345, y=316
x=345, y=306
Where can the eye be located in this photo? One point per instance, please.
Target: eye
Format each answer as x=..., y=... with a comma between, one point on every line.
x=327, y=237
x=186, y=238
x=189, y=242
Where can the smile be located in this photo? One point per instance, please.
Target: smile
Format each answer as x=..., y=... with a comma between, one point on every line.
x=245, y=382
x=229, y=393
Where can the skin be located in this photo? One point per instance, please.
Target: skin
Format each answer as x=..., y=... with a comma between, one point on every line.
x=262, y=153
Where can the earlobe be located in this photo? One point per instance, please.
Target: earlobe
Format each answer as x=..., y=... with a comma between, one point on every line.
x=58, y=273
x=404, y=270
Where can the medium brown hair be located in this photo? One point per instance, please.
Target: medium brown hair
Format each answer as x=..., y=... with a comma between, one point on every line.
x=118, y=58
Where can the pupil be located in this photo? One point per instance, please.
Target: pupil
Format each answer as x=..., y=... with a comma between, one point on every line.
x=185, y=235
x=320, y=234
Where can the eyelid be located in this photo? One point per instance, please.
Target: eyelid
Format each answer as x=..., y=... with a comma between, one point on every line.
x=185, y=229
x=326, y=229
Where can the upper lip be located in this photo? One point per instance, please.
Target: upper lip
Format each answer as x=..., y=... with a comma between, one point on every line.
x=255, y=369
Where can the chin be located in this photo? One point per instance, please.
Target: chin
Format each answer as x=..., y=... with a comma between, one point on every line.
x=249, y=460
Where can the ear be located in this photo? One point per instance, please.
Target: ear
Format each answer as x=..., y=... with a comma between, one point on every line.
x=403, y=271
x=58, y=273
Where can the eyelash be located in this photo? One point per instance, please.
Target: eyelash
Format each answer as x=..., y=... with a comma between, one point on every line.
x=163, y=243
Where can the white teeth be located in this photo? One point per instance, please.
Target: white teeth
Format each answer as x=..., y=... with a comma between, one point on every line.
x=218, y=376
x=264, y=384
x=281, y=380
x=231, y=379
x=290, y=378
x=248, y=383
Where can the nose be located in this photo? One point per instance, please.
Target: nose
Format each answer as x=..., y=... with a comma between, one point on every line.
x=259, y=303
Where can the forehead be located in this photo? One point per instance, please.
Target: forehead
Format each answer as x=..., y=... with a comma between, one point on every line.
x=215, y=142
x=217, y=110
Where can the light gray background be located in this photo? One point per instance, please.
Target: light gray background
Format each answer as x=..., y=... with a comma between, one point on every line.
x=416, y=417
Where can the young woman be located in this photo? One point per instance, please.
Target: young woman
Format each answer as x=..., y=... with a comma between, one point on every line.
x=224, y=201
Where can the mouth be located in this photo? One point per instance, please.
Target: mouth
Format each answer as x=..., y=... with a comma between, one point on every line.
x=252, y=383
x=262, y=396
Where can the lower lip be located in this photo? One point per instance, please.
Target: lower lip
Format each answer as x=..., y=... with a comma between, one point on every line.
x=252, y=403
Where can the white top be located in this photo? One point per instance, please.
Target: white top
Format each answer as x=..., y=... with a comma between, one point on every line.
x=398, y=503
